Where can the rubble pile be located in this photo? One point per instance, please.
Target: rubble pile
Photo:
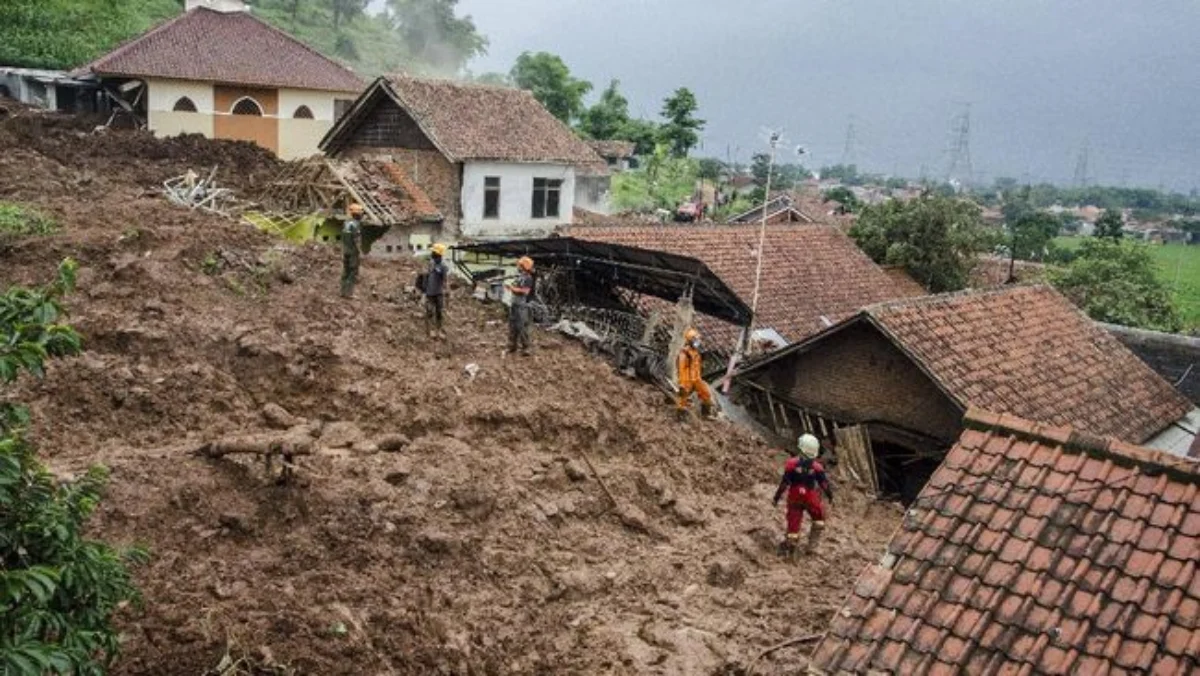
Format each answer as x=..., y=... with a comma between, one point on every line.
x=454, y=511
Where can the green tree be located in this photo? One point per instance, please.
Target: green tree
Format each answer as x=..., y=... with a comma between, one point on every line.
x=548, y=78
x=843, y=196
x=343, y=11
x=58, y=590
x=846, y=173
x=642, y=133
x=1114, y=281
x=1110, y=225
x=681, y=130
x=434, y=35
x=710, y=168
x=608, y=117
x=936, y=238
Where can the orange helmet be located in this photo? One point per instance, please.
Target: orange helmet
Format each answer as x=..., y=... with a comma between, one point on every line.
x=526, y=263
x=355, y=209
x=690, y=335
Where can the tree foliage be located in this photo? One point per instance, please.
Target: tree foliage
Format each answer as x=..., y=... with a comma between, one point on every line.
x=1114, y=281
x=608, y=117
x=434, y=35
x=843, y=196
x=550, y=81
x=58, y=590
x=69, y=33
x=1110, y=225
x=936, y=238
x=681, y=131
x=663, y=182
x=1030, y=231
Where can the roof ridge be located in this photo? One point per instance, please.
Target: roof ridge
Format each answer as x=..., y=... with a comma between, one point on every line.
x=949, y=295
x=464, y=84
x=291, y=37
x=1080, y=440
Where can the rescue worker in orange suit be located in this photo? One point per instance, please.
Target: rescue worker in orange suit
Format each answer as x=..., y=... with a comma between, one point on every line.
x=518, y=312
x=689, y=365
x=803, y=481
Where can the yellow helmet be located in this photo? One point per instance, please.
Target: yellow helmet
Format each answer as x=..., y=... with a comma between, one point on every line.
x=438, y=249
x=526, y=263
x=690, y=335
x=355, y=209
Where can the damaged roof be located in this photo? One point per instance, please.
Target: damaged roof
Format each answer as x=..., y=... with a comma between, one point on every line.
x=813, y=275
x=225, y=47
x=1027, y=350
x=1033, y=550
x=615, y=149
x=468, y=121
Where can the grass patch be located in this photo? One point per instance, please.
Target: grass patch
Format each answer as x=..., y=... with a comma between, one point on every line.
x=20, y=221
x=1178, y=266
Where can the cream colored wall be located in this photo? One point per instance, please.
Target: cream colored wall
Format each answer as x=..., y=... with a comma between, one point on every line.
x=161, y=96
x=321, y=103
x=299, y=138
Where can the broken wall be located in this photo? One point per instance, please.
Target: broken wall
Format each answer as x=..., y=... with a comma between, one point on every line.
x=428, y=169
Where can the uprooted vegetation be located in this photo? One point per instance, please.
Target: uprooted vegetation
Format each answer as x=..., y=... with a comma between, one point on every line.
x=442, y=519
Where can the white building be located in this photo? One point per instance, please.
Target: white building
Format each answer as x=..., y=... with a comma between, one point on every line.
x=495, y=163
x=218, y=71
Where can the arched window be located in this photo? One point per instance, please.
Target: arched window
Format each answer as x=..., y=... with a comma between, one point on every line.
x=303, y=113
x=184, y=105
x=247, y=106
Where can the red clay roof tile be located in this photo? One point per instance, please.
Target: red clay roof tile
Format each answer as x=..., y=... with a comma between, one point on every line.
x=229, y=48
x=997, y=350
x=1039, y=594
x=810, y=273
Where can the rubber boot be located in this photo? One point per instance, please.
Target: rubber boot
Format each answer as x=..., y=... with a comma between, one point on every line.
x=708, y=411
x=814, y=536
x=681, y=414
x=789, y=546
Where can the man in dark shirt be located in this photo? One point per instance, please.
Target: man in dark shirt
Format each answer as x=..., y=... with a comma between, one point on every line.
x=804, y=480
x=518, y=313
x=435, y=291
x=351, y=251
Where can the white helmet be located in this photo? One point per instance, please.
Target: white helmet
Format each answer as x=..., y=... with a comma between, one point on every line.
x=809, y=447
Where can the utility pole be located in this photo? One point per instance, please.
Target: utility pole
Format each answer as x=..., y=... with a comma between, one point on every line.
x=959, y=149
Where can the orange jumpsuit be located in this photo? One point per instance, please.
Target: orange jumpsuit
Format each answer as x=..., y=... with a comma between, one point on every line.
x=688, y=365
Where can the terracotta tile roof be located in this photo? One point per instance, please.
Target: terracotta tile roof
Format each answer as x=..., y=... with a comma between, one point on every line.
x=810, y=272
x=1033, y=551
x=478, y=122
x=615, y=149
x=1028, y=351
x=225, y=47
x=904, y=281
x=411, y=200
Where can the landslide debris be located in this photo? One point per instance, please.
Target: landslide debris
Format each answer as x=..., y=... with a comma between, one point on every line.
x=446, y=523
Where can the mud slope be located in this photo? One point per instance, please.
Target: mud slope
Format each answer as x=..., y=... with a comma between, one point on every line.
x=484, y=545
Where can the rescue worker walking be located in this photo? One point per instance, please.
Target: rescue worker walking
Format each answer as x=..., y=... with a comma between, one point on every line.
x=351, y=249
x=689, y=366
x=518, y=313
x=435, y=291
x=804, y=480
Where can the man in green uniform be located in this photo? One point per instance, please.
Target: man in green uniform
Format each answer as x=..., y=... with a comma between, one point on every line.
x=351, y=252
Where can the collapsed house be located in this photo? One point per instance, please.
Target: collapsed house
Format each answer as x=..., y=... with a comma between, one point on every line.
x=1033, y=549
x=905, y=371
x=218, y=71
x=812, y=276
x=493, y=161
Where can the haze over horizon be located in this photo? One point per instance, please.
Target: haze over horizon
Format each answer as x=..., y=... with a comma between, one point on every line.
x=1043, y=79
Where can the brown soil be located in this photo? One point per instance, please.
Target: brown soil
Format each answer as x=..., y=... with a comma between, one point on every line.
x=483, y=546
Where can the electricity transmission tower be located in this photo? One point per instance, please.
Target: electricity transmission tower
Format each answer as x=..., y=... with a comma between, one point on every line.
x=1081, y=167
x=849, y=151
x=959, y=165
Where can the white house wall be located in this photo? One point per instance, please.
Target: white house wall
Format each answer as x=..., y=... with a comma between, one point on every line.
x=516, y=199
x=161, y=96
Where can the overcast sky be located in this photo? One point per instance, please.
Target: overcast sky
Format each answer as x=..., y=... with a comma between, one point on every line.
x=1043, y=77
